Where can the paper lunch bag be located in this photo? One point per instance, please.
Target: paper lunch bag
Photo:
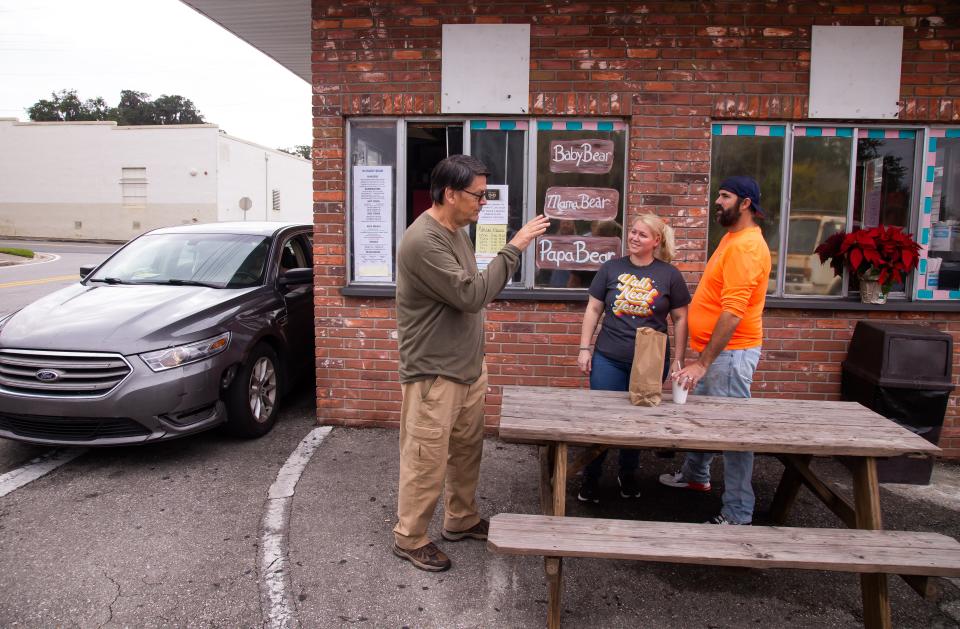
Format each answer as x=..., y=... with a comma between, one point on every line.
x=646, y=387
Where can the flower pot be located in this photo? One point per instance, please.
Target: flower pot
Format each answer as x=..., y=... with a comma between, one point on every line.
x=870, y=292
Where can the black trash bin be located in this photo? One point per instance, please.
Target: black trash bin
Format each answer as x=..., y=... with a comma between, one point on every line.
x=902, y=372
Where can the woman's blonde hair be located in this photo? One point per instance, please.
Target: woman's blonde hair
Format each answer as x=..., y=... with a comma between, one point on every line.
x=668, y=247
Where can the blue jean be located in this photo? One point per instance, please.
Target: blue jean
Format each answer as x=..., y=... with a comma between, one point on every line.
x=607, y=374
x=730, y=375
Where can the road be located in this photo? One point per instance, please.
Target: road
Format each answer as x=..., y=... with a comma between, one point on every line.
x=21, y=284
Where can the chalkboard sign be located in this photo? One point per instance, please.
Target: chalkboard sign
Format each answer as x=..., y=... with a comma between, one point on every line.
x=590, y=155
x=575, y=253
x=584, y=204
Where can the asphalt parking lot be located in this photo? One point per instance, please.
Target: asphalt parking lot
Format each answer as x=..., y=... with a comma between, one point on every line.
x=170, y=534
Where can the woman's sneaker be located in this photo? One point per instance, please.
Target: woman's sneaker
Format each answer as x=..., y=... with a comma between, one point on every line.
x=676, y=480
x=629, y=487
x=589, y=490
x=721, y=519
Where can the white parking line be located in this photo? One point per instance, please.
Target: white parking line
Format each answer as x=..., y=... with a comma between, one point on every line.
x=279, y=610
x=40, y=466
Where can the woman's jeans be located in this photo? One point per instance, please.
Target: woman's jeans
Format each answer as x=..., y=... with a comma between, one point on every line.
x=730, y=375
x=607, y=374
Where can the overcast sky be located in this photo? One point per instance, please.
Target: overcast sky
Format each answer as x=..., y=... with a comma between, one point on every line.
x=156, y=46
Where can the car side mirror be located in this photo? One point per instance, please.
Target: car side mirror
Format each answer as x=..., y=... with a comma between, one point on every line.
x=85, y=271
x=292, y=277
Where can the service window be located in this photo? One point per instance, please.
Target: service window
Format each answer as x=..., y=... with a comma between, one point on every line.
x=502, y=146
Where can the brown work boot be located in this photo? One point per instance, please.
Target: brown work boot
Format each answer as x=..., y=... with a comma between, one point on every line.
x=429, y=557
x=477, y=531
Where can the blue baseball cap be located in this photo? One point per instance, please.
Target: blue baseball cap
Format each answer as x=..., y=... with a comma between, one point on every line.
x=745, y=188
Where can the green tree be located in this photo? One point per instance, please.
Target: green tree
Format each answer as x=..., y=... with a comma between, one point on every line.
x=175, y=109
x=303, y=150
x=66, y=106
x=134, y=108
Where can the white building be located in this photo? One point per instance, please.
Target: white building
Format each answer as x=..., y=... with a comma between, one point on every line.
x=97, y=180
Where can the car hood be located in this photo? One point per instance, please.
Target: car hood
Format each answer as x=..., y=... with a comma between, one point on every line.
x=122, y=318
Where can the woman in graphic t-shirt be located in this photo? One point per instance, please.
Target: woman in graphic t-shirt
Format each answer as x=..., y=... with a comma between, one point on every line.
x=638, y=290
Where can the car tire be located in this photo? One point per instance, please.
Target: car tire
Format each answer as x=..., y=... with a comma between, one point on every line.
x=253, y=399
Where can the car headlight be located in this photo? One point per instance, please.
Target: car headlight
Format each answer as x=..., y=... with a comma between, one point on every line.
x=164, y=359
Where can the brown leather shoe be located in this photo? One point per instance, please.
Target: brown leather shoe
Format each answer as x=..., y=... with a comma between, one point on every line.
x=429, y=557
x=477, y=531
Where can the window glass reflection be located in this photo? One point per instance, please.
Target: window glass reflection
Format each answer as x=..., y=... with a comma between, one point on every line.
x=760, y=158
x=819, y=194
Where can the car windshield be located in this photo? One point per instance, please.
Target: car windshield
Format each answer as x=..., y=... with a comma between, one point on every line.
x=215, y=260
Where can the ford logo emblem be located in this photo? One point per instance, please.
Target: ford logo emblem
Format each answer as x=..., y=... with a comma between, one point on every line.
x=47, y=375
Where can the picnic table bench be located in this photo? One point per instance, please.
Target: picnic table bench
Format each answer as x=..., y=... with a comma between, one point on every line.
x=793, y=430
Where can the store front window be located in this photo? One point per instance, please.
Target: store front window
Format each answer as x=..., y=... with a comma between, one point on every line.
x=838, y=179
x=571, y=170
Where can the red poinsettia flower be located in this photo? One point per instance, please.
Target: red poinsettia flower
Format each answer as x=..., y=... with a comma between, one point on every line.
x=887, y=254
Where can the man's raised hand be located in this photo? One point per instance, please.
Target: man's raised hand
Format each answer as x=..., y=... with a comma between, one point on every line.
x=530, y=231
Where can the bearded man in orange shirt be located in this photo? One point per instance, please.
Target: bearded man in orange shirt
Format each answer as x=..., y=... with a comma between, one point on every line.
x=725, y=324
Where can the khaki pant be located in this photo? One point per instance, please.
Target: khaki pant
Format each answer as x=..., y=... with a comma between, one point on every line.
x=441, y=436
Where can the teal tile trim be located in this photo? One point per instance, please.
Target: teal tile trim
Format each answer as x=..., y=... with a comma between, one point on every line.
x=925, y=236
x=604, y=126
x=746, y=129
x=507, y=125
x=778, y=131
x=929, y=173
x=544, y=125
x=933, y=146
x=924, y=294
x=717, y=129
x=876, y=133
x=844, y=133
x=574, y=126
x=954, y=294
x=814, y=132
x=953, y=133
x=908, y=134
x=478, y=124
x=923, y=266
x=928, y=205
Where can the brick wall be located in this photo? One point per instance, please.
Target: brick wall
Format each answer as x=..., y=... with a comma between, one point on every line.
x=668, y=69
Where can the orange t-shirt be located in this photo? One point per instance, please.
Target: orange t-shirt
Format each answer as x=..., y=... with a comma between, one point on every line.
x=735, y=281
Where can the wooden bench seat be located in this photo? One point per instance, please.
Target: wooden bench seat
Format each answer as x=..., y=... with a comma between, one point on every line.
x=841, y=550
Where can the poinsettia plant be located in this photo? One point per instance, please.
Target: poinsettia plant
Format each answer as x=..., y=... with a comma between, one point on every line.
x=885, y=254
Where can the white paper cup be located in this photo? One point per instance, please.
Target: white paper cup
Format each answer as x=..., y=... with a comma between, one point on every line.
x=679, y=393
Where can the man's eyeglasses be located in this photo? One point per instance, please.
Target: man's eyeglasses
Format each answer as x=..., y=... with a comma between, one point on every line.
x=479, y=195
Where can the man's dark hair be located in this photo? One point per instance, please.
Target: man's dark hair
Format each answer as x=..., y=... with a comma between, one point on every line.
x=456, y=172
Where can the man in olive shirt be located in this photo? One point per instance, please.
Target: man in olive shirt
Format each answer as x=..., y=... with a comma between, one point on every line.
x=440, y=301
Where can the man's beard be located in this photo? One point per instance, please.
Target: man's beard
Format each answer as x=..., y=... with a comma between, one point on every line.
x=727, y=217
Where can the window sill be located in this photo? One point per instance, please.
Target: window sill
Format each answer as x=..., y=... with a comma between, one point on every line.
x=854, y=304
x=773, y=303
x=509, y=294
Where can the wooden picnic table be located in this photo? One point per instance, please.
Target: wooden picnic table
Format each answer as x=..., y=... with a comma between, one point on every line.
x=793, y=430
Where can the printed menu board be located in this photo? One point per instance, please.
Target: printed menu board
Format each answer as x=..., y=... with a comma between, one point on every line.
x=373, y=223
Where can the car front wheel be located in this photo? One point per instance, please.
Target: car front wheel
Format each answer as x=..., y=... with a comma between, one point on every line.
x=254, y=396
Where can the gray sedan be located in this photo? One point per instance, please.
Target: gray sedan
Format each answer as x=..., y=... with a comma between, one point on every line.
x=182, y=329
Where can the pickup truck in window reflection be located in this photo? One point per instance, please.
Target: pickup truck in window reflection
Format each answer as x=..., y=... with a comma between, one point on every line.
x=182, y=329
x=804, y=273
